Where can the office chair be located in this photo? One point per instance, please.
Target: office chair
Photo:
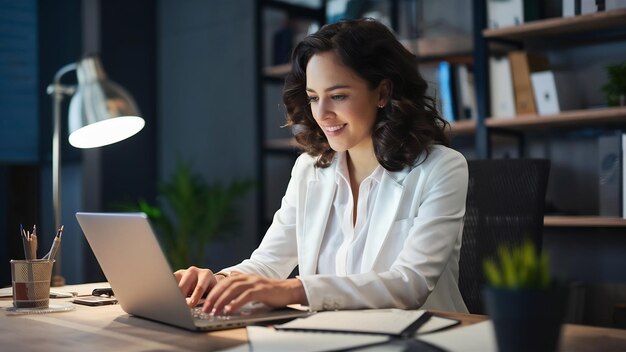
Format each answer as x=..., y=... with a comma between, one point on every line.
x=505, y=203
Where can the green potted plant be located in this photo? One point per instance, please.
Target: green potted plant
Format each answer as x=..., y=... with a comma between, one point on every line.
x=615, y=88
x=526, y=306
x=191, y=213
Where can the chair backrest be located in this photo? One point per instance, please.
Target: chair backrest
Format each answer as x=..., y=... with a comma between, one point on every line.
x=505, y=203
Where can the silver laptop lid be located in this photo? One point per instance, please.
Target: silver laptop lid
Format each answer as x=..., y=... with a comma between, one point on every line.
x=133, y=263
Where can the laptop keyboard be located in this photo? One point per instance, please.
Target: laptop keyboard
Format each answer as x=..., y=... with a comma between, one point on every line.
x=246, y=310
x=199, y=314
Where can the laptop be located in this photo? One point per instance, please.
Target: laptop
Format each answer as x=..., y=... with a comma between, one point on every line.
x=143, y=281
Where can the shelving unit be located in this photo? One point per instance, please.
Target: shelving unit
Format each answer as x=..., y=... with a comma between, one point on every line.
x=583, y=221
x=269, y=76
x=556, y=33
x=601, y=26
x=574, y=118
x=552, y=27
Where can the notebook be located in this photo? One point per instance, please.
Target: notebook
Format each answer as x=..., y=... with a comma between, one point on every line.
x=134, y=264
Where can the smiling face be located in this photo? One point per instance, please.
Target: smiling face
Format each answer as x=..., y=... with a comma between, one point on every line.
x=342, y=104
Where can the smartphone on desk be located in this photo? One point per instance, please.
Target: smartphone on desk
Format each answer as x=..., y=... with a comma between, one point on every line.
x=95, y=300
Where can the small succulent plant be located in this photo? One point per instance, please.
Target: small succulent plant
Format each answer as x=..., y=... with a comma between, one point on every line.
x=518, y=267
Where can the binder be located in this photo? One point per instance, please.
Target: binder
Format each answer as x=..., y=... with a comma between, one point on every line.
x=623, y=175
x=555, y=91
x=466, y=98
x=390, y=322
x=446, y=86
x=522, y=65
x=502, y=97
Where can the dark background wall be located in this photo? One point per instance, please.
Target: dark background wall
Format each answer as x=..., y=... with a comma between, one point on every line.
x=206, y=95
x=190, y=67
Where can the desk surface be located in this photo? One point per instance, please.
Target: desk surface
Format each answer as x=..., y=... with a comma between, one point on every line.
x=110, y=328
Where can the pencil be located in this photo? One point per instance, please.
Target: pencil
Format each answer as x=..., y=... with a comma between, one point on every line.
x=56, y=244
x=33, y=243
x=25, y=242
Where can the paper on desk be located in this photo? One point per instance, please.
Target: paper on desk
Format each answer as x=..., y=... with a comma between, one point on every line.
x=381, y=321
x=475, y=337
x=271, y=340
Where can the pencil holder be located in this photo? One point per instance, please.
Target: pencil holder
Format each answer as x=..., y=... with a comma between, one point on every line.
x=31, y=283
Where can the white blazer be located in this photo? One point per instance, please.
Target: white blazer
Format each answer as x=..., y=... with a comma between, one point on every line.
x=411, y=255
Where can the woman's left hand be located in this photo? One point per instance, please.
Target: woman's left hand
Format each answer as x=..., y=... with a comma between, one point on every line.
x=237, y=289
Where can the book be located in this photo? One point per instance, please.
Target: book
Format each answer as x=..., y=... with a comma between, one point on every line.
x=623, y=176
x=502, y=97
x=446, y=88
x=610, y=170
x=466, y=97
x=522, y=65
x=391, y=322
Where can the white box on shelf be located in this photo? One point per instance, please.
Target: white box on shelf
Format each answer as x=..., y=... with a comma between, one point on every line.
x=554, y=92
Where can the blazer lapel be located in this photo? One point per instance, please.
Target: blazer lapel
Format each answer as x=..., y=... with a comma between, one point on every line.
x=319, y=198
x=383, y=216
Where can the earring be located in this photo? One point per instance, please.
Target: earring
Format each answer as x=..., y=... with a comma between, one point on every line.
x=380, y=106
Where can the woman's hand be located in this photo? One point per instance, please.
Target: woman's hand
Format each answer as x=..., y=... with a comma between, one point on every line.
x=232, y=292
x=194, y=282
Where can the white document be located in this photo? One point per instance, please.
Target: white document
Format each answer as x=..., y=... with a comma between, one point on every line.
x=264, y=339
x=478, y=337
x=377, y=321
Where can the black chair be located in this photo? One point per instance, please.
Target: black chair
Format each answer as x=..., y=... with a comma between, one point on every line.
x=505, y=205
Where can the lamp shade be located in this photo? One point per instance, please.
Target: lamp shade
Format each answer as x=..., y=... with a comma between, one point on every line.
x=101, y=112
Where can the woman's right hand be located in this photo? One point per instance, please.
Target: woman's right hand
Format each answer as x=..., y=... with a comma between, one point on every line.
x=194, y=283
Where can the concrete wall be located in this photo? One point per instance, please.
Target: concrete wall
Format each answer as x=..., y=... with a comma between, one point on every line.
x=206, y=102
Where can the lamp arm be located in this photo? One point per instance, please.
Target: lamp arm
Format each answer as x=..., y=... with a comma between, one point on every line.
x=57, y=90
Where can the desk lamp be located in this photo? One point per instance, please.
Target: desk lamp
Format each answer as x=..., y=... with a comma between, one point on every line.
x=100, y=113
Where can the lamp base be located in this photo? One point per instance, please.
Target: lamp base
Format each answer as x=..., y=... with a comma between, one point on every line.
x=57, y=281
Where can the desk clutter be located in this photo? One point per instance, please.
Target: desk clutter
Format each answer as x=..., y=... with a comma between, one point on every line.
x=31, y=277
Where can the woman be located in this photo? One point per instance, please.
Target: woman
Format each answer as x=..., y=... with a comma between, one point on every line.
x=374, y=209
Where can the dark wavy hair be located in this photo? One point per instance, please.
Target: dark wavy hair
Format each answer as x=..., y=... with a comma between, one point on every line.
x=407, y=125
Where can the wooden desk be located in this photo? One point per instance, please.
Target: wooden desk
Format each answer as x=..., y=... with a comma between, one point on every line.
x=108, y=328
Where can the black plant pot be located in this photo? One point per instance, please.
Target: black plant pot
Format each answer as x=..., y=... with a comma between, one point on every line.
x=526, y=319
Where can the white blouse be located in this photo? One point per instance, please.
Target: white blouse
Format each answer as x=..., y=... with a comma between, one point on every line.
x=343, y=243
